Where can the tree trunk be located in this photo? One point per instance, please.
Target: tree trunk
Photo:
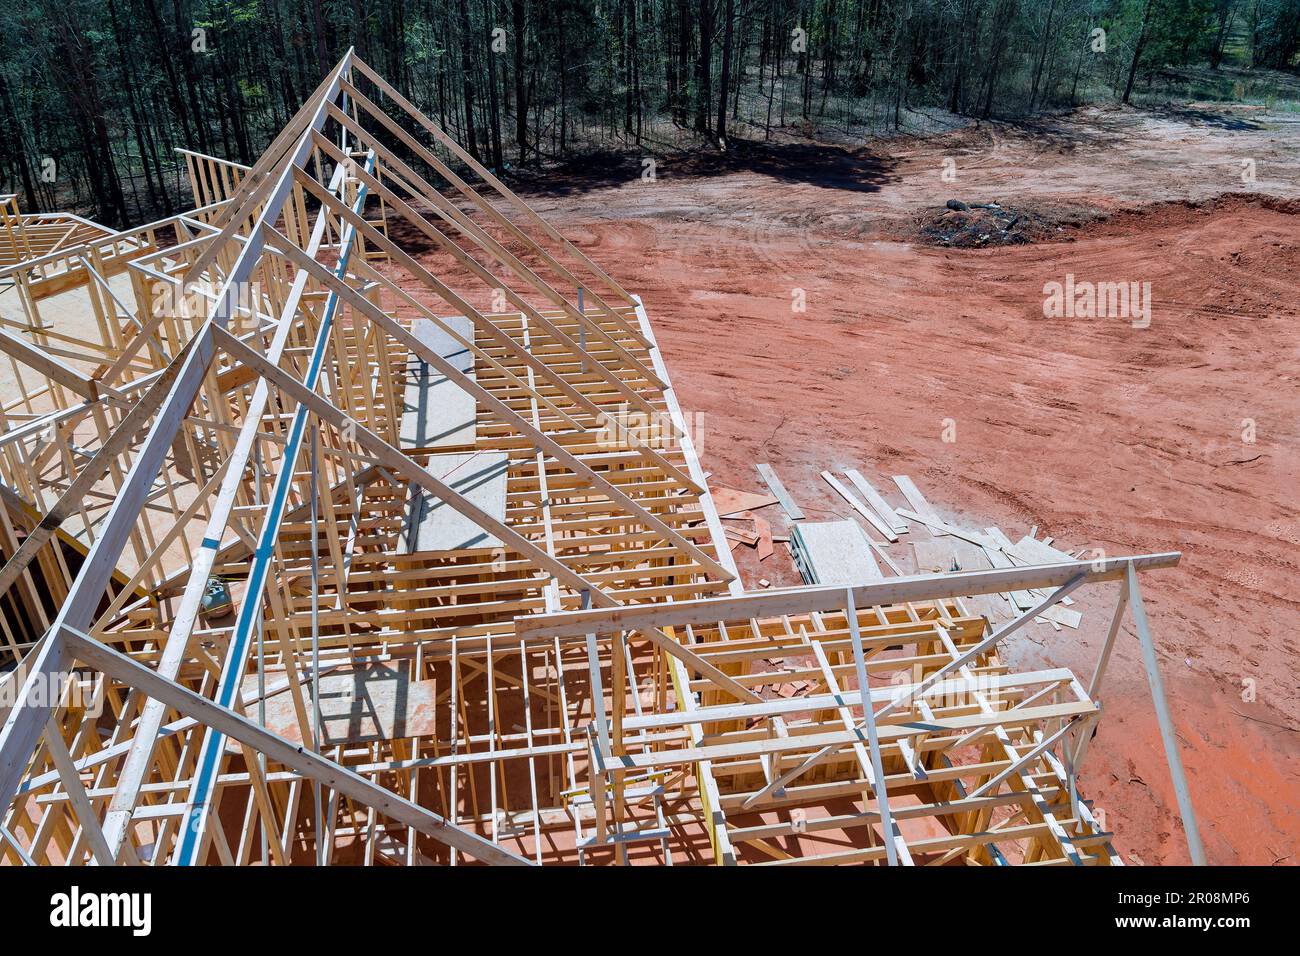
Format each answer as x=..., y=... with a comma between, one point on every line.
x=19, y=145
x=703, y=69
x=1137, y=49
x=1001, y=17
x=186, y=54
x=683, y=61
x=318, y=28
x=467, y=80
x=1227, y=14
x=726, y=72
x=521, y=89
x=494, y=110
x=1042, y=55
x=959, y=60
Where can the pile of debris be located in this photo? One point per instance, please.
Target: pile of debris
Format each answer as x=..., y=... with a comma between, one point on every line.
x=742, y=526
x=856, y=550
x=971, y=226
x=974, y=225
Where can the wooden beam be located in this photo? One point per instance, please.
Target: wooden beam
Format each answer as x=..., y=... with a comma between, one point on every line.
x=916, y=587
x=506, y=414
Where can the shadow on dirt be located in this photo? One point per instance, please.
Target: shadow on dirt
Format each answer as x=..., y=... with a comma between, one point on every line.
x=1194, y=116
x=1059, y=134
x=813, y=164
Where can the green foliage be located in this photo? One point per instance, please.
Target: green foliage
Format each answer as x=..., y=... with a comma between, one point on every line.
x=1181, y=31
x=1277, y=34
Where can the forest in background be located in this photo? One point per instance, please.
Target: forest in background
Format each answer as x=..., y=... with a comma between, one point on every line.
x=96, y=95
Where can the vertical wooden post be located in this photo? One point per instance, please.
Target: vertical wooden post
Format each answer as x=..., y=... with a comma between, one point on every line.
x=869, y=717
x=1167, y=731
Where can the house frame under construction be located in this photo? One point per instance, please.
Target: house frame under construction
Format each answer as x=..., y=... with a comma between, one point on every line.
x=350, y=517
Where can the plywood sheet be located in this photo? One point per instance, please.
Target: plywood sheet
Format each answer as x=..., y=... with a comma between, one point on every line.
x=433, y=525
x=835, y=552
x=375, y=702
x=436, y=411
x=934, y=557
x=729, y=501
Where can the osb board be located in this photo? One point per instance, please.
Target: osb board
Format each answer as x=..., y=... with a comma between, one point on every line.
x=934, y=557
x=836, y=552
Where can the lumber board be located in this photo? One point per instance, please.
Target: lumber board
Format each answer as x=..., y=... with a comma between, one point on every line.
x=877, y=501
x=920, y=505
x=878, y=523
x=769, y=476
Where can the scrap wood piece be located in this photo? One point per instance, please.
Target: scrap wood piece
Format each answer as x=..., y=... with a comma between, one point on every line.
x=939, y=528
x=877, y=501
x=761, y=536
x=1063, y=615
x=766, y=548
x=996, y=535
x=971, y=557
x=919, y=504
x=796, y=689
x=996, y=607
x=858, y=506
x=774, y=485
x=741, y=535
x=943, y=556
x=1023, y=600
x=1032, y=551
x=730, y=501
x=1003, y=544
x=934, y=557
x=884, y=555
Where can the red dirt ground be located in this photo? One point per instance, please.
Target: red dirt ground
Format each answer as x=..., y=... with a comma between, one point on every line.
x=1101, y=434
